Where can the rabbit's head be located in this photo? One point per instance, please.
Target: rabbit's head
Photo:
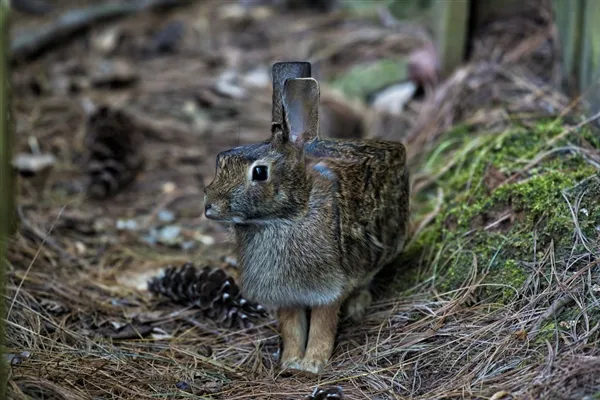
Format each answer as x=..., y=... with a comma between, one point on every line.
x=266, y=182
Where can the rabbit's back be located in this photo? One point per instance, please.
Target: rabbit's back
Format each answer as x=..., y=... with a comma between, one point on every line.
x=372, y=186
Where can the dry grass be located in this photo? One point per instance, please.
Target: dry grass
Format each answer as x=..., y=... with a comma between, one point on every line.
x=75, y=290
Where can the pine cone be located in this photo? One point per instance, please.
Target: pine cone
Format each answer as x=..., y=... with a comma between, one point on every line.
x=211, y=290
x=334, y=393
x=114, y=159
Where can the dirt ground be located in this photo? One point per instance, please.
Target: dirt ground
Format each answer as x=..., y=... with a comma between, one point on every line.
x=193, y=81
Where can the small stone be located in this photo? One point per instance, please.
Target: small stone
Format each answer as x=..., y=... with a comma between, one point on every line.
x=169, y=234
x=567, y=324
x=80, y=248
x=230, y=261
x=258, y=78
x=169, y=187
x=188, y=245
x=394, y=98
x=16, y=359
x=204, y=239
x=166, y=216
x=127, y=224
x=150, y=239
x=117, y=325
x=32, y=164
x=227, y=85
x=181, y=385
x=106, y=40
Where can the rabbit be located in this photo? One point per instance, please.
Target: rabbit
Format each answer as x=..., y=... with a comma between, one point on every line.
x=313, y=219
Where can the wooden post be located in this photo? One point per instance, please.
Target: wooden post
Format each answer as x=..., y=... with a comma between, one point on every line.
x=7, y=210
x=7, y=174
x=455, y=22
x=578, y=24
x=450, y=19
x=589, y=69
x=569, y=19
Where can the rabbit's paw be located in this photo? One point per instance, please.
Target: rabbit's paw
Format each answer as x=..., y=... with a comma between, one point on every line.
x=357, y=304
x=293, y=363
x=313, y=366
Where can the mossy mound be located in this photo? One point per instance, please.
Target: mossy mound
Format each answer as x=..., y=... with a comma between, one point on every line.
x=502, y=202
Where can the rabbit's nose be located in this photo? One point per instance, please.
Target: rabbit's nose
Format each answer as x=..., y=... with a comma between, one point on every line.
x=208, y=209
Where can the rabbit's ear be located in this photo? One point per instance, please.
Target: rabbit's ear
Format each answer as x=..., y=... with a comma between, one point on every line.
x=301, y=109
x=283, y=71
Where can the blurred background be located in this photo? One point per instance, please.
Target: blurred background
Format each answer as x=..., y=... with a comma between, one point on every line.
x=119, y=108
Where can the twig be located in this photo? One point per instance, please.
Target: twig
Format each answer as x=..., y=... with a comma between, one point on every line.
x=503, y=218
x=571, y=129
x=201, y=326
x=30, y=44
x=33, y=7
x=533, y=163
x=556, y=306
x=45, y=238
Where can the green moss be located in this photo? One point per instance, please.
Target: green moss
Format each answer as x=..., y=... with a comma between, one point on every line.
x=492, y=231
x=546, y=333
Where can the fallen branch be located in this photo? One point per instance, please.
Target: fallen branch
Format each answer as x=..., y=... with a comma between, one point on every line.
x=553, y=310
x=32, y=7
x=31, y=43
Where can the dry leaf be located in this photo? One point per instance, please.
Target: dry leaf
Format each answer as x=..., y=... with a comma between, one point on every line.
x=521, y=334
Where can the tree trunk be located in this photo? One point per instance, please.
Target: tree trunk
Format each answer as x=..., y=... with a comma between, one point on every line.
x=7, y=193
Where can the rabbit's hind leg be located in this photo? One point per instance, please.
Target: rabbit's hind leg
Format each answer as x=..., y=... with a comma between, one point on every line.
x=293, y=326
x=357, y=303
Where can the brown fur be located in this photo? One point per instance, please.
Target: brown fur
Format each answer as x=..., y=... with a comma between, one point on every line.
x=293, y=326
x=313, y=233
x=321, y=337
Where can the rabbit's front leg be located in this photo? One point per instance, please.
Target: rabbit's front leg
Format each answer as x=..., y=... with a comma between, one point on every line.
x=321, y=337
x=294, y=330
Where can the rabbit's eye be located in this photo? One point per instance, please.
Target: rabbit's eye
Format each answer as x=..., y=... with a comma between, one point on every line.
x=260, y=173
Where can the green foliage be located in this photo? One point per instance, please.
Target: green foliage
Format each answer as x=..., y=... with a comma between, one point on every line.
x=505, y=201
x=363, y=80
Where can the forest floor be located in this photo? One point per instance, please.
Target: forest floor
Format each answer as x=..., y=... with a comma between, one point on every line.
x=496, y=297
